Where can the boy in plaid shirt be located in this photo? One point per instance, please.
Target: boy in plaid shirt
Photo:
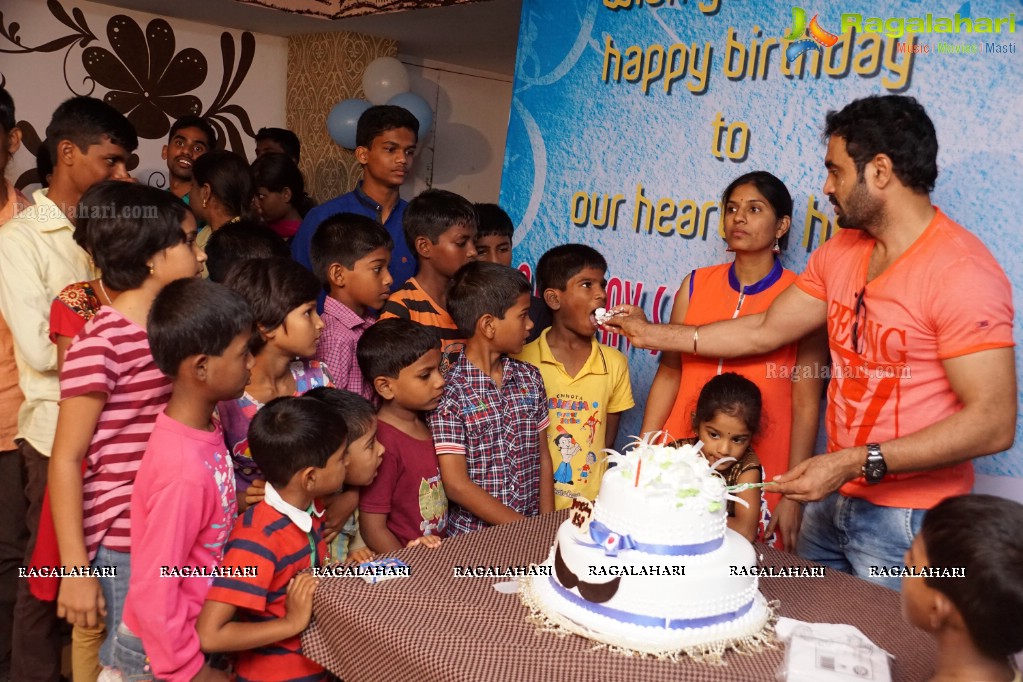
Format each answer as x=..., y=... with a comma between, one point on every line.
x=487, y=429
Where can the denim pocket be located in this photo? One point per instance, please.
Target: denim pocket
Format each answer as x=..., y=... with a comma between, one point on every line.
x=130, y=657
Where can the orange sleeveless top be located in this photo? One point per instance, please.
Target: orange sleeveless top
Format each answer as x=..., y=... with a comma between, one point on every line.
x=715, y=294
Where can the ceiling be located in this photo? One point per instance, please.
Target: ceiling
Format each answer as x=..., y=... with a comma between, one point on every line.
x=480, y=35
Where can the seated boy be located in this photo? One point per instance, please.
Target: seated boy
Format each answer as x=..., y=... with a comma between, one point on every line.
x=488, y=427
x=587, y=383
x=439, y=228
x=494, y=244
x=975, y=617
x=351, y=254
x=300, y=445
x=183, y=502
x=406, y=500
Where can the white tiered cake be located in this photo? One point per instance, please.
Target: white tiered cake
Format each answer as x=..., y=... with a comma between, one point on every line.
x=650, y=569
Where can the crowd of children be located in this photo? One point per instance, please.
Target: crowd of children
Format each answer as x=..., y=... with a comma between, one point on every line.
x=226, y=427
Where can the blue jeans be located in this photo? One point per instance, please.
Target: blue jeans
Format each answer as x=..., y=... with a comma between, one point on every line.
x=115, y=590
x=852, y=535
x=130, y=657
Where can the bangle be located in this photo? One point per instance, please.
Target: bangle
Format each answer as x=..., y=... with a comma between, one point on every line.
x=696, y=337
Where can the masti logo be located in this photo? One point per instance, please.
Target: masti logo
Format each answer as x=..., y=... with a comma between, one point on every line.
x=806, y=37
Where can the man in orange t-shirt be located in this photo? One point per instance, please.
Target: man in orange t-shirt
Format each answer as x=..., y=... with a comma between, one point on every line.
x=919, y=318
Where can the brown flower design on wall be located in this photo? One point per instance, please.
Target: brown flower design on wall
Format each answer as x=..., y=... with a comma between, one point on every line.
x=147, y=81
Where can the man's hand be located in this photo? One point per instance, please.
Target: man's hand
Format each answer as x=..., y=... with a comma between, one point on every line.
x=80, y=601
x=821, y=475
x=787, y=517
x=630, y=321
x=431, y=541
x=298, y=605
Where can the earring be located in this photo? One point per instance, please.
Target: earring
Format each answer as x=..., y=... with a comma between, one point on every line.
x=150, y=266
x=204, y=202
x=776, y=249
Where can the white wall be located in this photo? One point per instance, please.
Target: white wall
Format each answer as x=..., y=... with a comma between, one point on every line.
x=36, y=80
x=464, y=152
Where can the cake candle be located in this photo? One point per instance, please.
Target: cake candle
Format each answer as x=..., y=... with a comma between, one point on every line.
x=639, y=466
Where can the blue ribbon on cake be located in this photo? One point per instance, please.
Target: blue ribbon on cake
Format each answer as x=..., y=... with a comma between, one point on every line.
x=613, y=542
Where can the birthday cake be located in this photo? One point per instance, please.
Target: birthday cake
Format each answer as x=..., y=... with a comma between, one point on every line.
x=648, y=567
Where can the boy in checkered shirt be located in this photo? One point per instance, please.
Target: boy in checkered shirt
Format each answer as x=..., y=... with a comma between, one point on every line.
x=488, y=428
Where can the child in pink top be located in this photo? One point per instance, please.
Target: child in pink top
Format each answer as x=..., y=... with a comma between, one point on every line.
x=111, y=392
x=183, y=505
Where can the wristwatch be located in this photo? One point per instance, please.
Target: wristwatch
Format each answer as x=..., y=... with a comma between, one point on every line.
x=874, y=468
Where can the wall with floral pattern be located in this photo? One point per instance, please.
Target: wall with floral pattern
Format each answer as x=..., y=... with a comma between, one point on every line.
x=153, y=69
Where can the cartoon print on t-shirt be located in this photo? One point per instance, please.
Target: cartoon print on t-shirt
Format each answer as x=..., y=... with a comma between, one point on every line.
x=568, y=446
x=433, y=505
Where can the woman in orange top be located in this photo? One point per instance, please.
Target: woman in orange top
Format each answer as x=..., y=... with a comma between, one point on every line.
x=757, y=214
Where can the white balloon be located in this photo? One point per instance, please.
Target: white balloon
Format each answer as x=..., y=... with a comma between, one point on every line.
x=384, y=78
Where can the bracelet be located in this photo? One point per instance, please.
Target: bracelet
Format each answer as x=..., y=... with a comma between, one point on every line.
x=696, y=337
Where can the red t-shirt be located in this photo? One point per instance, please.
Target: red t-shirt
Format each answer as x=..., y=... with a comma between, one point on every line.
x=407, y=487
x=945, y=297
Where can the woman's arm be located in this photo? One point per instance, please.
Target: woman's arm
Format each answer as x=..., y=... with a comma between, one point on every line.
x=664, y=389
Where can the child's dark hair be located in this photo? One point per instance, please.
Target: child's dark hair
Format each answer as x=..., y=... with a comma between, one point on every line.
x=7, y=119
x=291, y=434
x=85, y=121
x=345, y=238
x=380, y=119
x=287, y=140
x=733, y=394
x=194, y=317
x=481, y=288
x=434, y=212
x=564, y=262
x=124, y=224
x=229, y=178
x=493, y=221
x=391, y=345
x=355, y=411
x=241, y=241
x=275, y=171
x=273, y=287
x=980, y=533
x=44, y=163
x=198, y=123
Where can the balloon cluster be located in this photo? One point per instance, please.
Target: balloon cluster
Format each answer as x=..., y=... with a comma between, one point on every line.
x=385, y=81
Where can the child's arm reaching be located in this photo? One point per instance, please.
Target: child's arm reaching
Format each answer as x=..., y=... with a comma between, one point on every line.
x=219, y=632
x=463, y=491
x=338, y=508
x=376, y=533
x=747, y=519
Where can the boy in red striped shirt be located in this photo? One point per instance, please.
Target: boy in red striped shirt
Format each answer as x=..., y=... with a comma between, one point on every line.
x=301, y=445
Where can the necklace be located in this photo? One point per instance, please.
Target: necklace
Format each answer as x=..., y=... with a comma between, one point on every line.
x=102, y=288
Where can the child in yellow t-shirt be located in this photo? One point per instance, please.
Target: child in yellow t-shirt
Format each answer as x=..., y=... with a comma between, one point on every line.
x=587, y=383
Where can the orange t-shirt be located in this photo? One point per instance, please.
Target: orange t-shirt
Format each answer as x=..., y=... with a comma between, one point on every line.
x=945, y=297
x=715, y=296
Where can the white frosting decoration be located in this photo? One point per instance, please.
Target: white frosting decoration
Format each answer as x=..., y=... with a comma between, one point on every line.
x=671, y=504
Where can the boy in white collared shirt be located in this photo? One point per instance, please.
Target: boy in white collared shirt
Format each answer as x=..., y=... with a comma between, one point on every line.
x=262, y=602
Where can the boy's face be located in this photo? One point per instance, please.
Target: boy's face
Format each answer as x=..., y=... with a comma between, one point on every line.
x=300, y=331
x=511, y=331
x=917, y=597
x=368, y=283
x=331, y=477
x=228, y=374
x=103, y=160
x=494, y=248
x=272, y=206
x=363, y=458
x=419, y=386
x=583, y=294
x=454, y=248
x=388, y=159
x=267, y=146
x=187, y=145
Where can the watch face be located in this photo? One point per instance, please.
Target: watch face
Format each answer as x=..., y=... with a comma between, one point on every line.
x=874, y=470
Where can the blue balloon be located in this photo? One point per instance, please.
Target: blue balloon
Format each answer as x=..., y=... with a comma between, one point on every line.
x=418, y=107
x=343, y=119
